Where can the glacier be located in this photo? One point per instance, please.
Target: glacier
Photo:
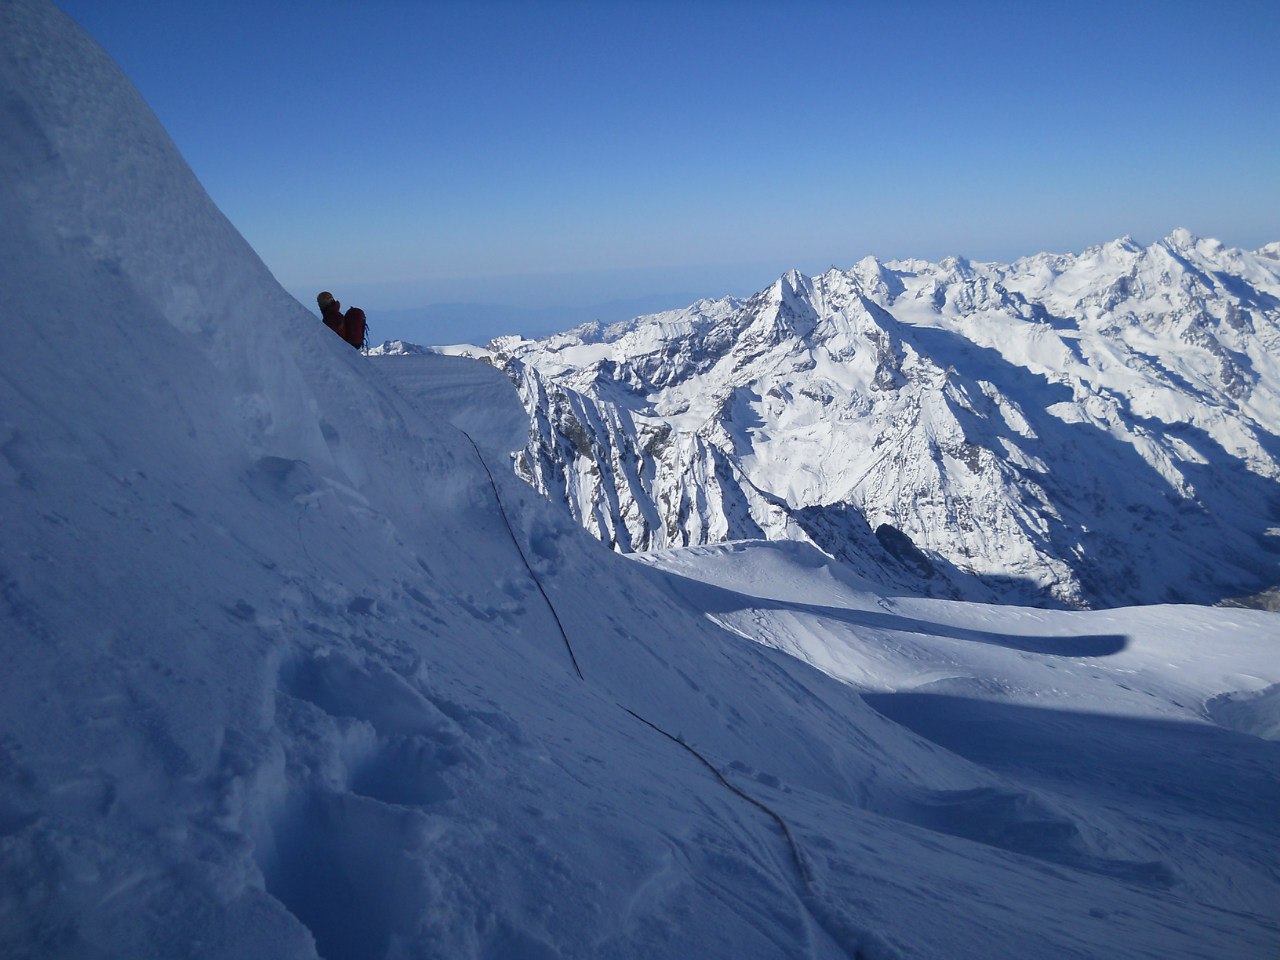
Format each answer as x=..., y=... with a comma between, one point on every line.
x=287, y=658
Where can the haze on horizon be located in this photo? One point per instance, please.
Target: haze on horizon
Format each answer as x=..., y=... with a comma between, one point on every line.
x=570, y=154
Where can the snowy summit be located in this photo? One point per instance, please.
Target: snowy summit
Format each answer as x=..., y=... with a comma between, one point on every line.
x=292, y=665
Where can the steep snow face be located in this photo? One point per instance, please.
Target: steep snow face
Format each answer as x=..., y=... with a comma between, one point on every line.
x=95, y=195
x=1092, y=428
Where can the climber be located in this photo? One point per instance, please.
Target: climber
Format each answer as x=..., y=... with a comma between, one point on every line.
x=350, y=326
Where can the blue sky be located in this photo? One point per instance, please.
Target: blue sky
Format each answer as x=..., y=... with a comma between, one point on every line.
x=405, y=153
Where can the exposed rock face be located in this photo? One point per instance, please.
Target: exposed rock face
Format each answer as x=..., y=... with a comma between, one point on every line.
x=1088, y=429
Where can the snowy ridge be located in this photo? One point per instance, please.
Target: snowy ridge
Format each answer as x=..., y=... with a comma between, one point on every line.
x=1089, y=429
x=281, y=669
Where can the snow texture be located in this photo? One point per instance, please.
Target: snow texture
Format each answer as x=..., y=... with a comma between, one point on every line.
x=287, y=662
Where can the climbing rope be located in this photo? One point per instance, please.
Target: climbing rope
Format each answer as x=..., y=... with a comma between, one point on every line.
x=802, y=865
x=520, y=550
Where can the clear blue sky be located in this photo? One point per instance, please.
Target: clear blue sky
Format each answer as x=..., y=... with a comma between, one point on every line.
x=406, y=152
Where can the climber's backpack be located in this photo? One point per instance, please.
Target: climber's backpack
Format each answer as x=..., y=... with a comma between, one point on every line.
x=354, y=328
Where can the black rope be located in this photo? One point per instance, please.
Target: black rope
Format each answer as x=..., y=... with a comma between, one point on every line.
x=802, y=865
x=520, y=550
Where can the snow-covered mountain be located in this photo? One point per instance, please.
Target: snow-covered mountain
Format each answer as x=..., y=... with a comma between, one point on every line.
x=290, y=667
x=1091, y=429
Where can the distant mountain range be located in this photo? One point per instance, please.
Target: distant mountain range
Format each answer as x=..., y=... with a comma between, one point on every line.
x=1086, y=429
x=459, y=322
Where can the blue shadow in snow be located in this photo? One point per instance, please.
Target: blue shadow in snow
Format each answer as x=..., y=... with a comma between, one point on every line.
x=1125, y=762
x=715, y=599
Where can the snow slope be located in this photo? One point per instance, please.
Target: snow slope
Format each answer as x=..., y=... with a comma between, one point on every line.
x=1137, y=713
x=1089, y=430
x=289, y=667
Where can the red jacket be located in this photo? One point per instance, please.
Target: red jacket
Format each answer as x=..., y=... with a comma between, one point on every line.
x=332, y=316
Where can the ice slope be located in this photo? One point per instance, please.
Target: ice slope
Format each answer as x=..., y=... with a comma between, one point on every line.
x=277, y=678
x=1084, y=429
